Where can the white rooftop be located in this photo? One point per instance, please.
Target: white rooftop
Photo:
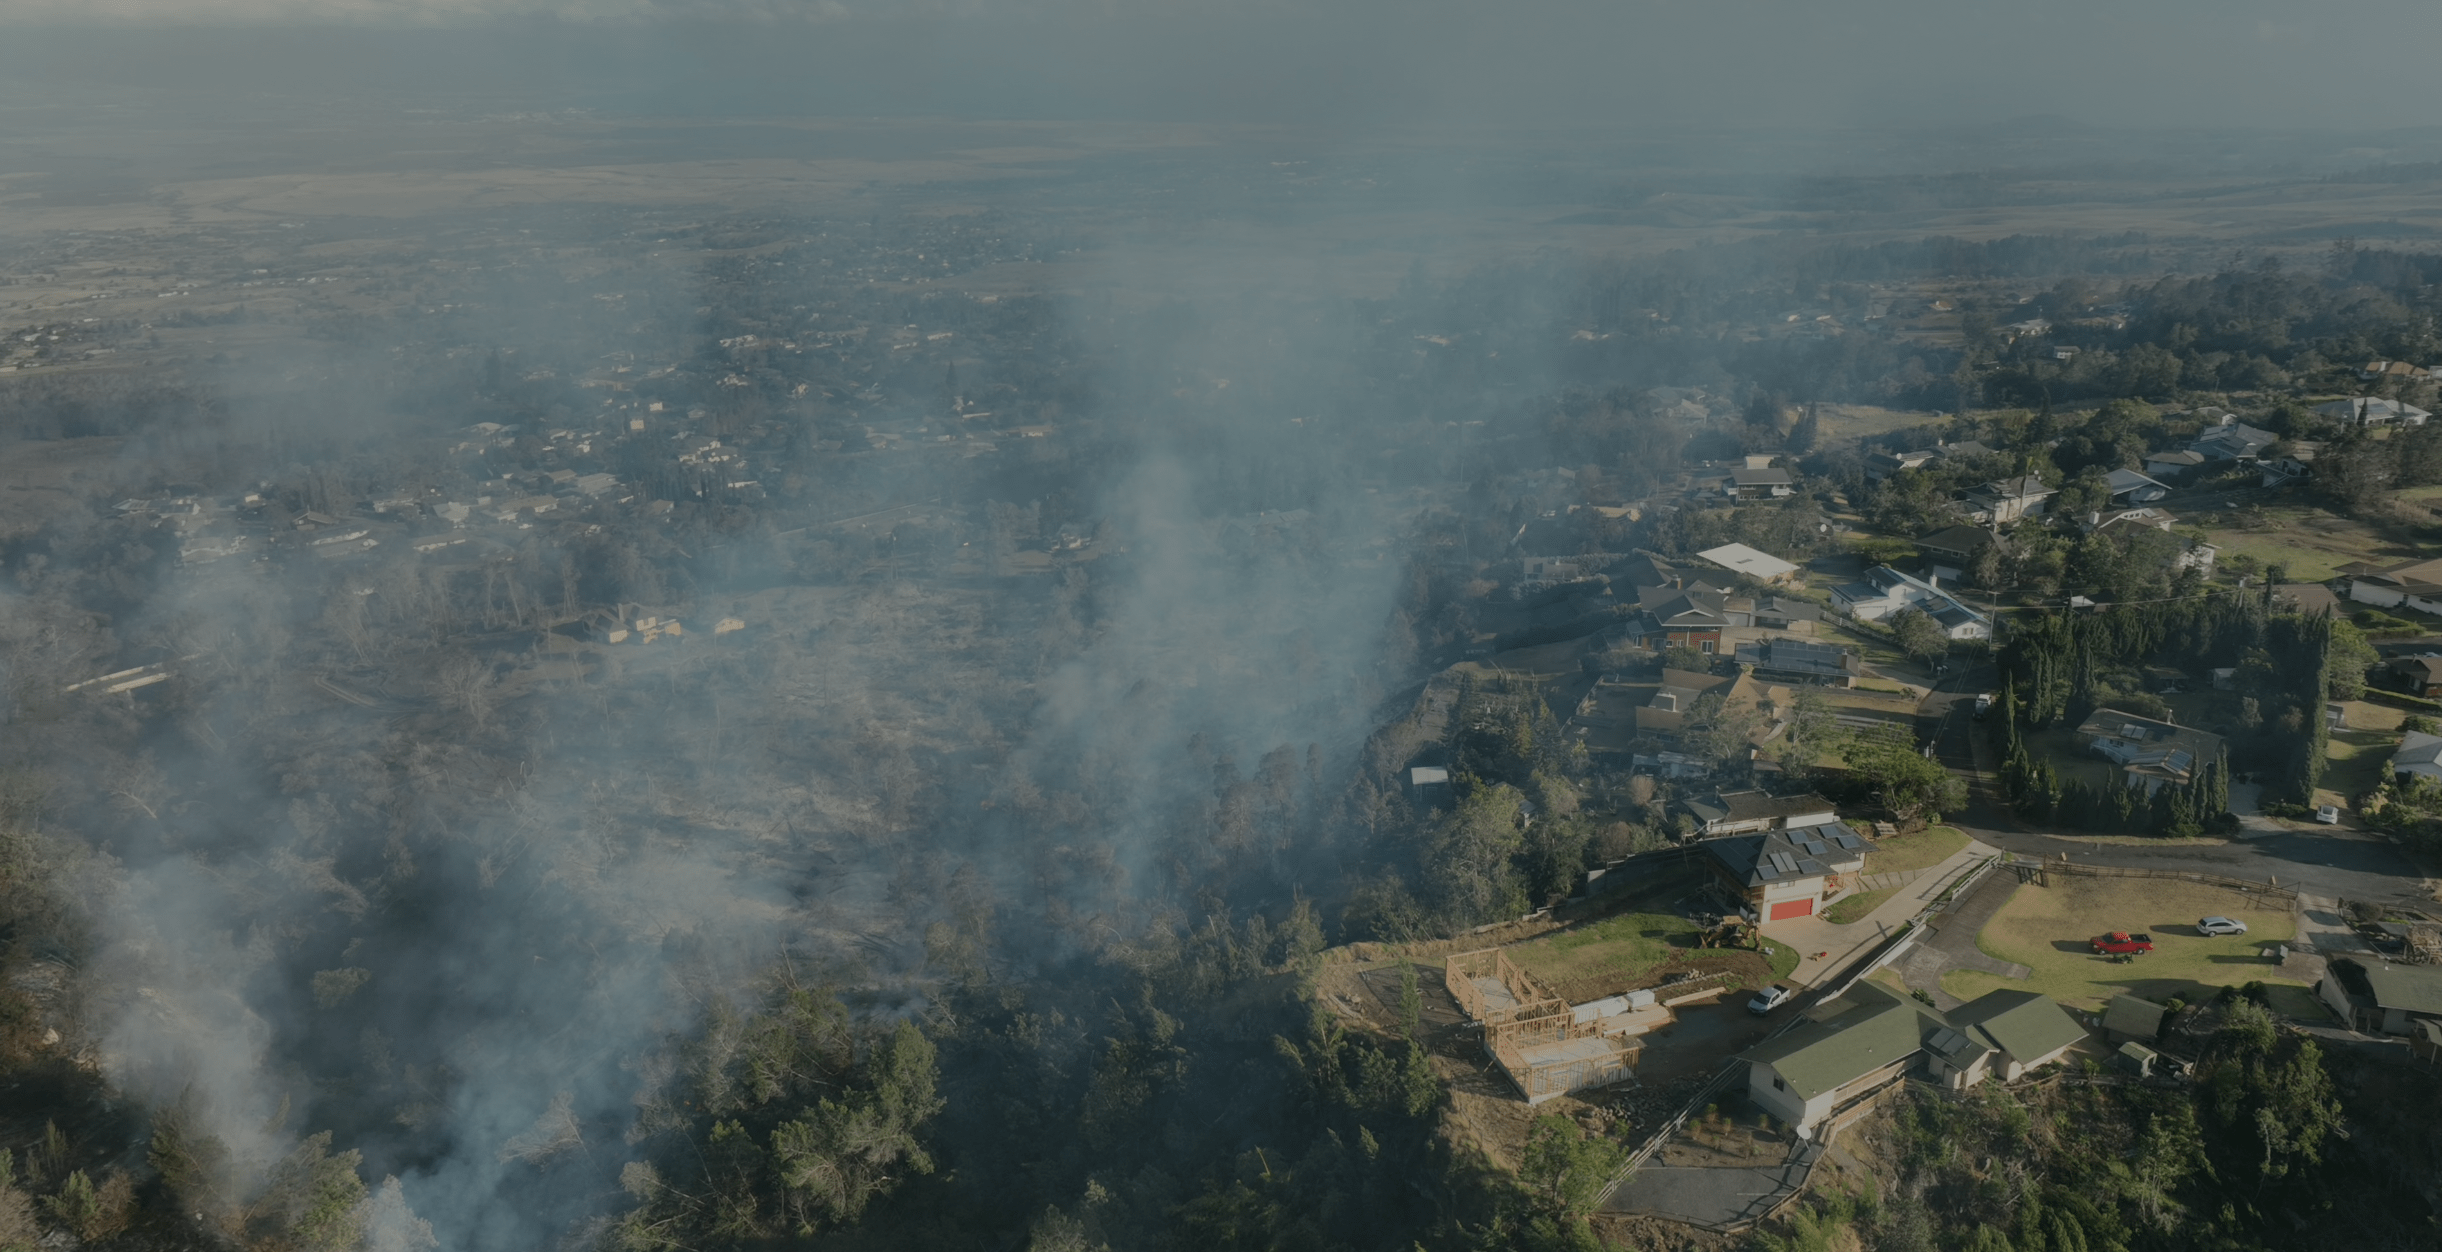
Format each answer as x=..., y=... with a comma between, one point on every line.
x=1739, y=558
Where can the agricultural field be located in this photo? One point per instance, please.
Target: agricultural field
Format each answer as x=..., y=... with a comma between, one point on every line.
x=2046, y=929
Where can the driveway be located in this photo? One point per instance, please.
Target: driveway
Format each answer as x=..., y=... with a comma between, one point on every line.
x=1712, y=1196
x=1952, y=941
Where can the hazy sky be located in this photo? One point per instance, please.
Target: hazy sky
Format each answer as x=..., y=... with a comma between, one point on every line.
x=2357, y=64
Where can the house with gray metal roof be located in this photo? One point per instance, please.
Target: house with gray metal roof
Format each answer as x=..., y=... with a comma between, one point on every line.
x=1785, y=873
x=2148, y=751
x=1744, y=812
x=1871, y=1036
x=2419, y=755
x=1802, y=661
x=2135, y=488
x=2376, y=995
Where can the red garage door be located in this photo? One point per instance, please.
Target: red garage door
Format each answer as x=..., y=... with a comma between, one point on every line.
x=1793, y=908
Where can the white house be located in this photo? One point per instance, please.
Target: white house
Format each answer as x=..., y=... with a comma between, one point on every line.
x=1760, y=566
x=2373, y=411
x=1885, y=591
x=2416, y=584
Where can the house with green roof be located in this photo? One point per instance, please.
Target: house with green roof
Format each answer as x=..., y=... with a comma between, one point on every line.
x=1854, y=1045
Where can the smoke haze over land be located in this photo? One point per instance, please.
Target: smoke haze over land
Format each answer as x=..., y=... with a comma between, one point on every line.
x=649, y=625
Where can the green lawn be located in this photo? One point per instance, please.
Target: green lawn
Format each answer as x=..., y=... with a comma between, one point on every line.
x=1620, y=951
x=1854, y=907
x=2046, y=929
x=1626, y=945
x=2311, y=543
x=1782, y=958
x=2356, y=758
x=1922, y=849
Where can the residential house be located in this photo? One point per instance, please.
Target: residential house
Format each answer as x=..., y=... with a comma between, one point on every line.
x=2189, y=554
x=1872, y=1036
x=2401, y=370
x=2416, y=675
x=2006, y=500
x=2130, y=487
x=2128, y=1019
x=1885, y=591
x=2175, y=464
x=2418, y=756
x=1966, y=450
x=2415, y=584
x=2282, y=471
x=2373, y=411
x=2307, y=598
x=1761, y=484
x=2375, y=995
x=1783, y=613
x=1801, y=661
x=1644, y=569
x=1763, y=567
x=1675, y=618
x=1666, y=712
x=1951, y=551
x=1745, y=812
x=1881, y=465
x=1785, y=873
x=2149, y=752
x=2232, y=440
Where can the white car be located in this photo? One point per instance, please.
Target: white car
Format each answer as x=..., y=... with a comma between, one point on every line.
x=2220, y=926
x=2329, y=815
x=1768, y=999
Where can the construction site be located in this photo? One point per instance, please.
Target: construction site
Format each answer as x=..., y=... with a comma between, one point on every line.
x=1547, y=1046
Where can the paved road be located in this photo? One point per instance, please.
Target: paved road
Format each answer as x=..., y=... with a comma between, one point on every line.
x=2351, y=865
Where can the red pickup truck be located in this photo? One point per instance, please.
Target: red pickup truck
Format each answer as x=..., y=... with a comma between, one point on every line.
x=2122, y=943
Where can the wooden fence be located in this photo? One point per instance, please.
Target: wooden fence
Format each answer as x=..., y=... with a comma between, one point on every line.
x=2034, y=869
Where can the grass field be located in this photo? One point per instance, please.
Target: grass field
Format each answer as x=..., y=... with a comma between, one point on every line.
x=2312, y=543
x=2047, y=928
x=2357, y=756
x=1631, y=949
x=1922, y=849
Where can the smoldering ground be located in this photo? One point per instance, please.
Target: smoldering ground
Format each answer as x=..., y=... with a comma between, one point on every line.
x=364, y=872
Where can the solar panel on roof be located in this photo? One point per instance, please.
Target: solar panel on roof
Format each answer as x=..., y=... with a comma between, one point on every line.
x=2179, y=761
x=1785, y=863
x=1765, y=871
x=1811, y=848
